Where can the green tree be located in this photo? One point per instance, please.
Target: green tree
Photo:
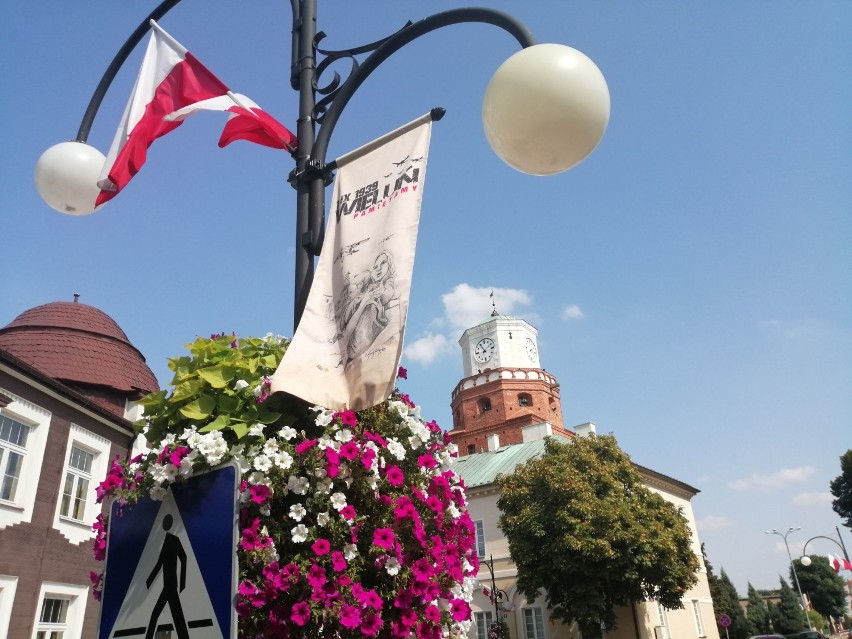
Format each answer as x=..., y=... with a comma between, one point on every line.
x=729, y=604
x=841, y=488
x=726, y=600
x=757, y=612
x=824, y=587
x=582, y=526
x=789, y=617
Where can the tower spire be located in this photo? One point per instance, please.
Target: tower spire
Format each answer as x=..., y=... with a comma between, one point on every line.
x=494, y=312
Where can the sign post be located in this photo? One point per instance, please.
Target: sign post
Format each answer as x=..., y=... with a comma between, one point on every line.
x=725, y=621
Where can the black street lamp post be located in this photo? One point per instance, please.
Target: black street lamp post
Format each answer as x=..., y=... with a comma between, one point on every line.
x=806, y=560
x=496, y=594
x=542, y=119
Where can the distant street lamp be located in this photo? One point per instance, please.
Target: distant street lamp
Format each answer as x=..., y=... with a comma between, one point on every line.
x=545, y=109
x=496, y=594
x=806, y=561
x=793, y=568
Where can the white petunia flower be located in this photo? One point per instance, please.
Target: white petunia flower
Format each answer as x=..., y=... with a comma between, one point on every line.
x=284, y=460
x=157, y=493
x=323, y=417
x=323, y=519
x=396, y=449
x=297, y=512
x=338, y=501
x=240, y=384
x=392, y=566
x=324, y=486
x=262, y=463
x=344, y=435
x=298, y=485
x=415, y=442
x=287, y=433
x=350, y=551
x=256, y=430
x=299, y=533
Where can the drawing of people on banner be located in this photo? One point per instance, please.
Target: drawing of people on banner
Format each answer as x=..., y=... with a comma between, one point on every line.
x=367, y=306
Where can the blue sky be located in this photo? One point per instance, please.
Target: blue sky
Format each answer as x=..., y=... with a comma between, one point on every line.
x=690, y=280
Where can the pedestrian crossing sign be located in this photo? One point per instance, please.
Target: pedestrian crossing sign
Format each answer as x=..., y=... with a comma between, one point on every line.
x=171, y=565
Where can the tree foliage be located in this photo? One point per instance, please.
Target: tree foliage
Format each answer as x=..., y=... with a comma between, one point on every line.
x=787, y=616
x=841, y=489
x=824, y=587
x=757, y=613
x=583, y=528
x=726, y=600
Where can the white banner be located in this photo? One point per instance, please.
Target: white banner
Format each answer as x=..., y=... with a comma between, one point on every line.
x=346, y=351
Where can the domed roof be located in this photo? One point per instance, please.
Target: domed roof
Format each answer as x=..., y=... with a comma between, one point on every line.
x=79, y=344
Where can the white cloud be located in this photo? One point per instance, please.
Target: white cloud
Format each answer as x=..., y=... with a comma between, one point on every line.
x=712, y=522
x=770, y=481
x=428, y=348
x=804, y=500
x=466, y=306
x=571, y=312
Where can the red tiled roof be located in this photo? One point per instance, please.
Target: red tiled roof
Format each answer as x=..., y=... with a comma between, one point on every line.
x=80, y=344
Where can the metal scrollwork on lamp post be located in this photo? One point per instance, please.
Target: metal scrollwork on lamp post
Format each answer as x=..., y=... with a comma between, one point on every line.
x=545, y=110
x=497, y=595
x=806, y=560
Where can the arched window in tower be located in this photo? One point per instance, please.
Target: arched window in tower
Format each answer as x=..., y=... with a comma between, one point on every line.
x=552, y=403
x=484, y=405
x=525, y=399
x=471, y=449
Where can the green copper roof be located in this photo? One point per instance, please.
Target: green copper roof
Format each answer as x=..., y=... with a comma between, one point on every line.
x=481, y=469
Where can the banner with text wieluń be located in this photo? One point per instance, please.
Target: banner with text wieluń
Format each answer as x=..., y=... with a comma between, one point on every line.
x=346, y=351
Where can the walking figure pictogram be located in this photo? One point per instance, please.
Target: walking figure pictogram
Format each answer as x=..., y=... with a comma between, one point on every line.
x=171, y=552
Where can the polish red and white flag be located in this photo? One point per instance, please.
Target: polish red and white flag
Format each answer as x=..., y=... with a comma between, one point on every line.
x=170, y=80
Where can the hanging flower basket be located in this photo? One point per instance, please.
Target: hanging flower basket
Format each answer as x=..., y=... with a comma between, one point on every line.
x=352, y=524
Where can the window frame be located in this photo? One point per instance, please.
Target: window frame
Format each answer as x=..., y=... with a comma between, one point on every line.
x=9, y=448
x=77, y=597
x=697, y=618
x=20, y=510
x=8, y=587
x=537, y=620
x=73, y=529
x=69, y=501
x=479, y=537
x=487, y=617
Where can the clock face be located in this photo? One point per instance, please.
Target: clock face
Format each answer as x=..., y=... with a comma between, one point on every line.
x=532, y=353
x=484, y=350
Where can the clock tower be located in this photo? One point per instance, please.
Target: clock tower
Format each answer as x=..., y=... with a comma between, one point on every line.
x=504, y=388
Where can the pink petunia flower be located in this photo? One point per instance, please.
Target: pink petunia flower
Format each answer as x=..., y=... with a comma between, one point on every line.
x=300, y=613
x=394, y=475
x=383, y=538
x=321, y=547
x=348, y=512
x=350, y=616
x=402, y=373
x=459, y=610
x=371, y=625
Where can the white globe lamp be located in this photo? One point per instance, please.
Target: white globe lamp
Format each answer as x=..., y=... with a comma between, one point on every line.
x=805, y=560
x=545, y=109
x=66, y=177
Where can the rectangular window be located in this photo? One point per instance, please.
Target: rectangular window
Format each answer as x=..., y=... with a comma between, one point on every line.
x=661, y=615
x=479, y=529
x=483, y=620
x=53, y=620
x=699, y=624
x=13, y=447
x=533, y=623
x=78, y=475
